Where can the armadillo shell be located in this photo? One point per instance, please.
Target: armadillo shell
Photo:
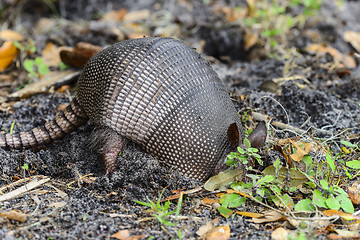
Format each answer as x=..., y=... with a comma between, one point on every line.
x=163, y=95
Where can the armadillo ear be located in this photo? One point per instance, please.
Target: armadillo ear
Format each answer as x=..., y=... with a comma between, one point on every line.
x=233, y=135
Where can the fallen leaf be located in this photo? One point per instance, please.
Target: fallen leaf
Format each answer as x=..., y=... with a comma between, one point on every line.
x=322, y=49
x=57, y=204
x=51, y=55
x=137, y=15
x=121, y=235
x=270, y=216
x=79, y=55
x=250, y=40
x=116, y=15
x=221, y=180
x=218, y=233
x=210, y=200
x=204, y=229
x=238, y=192
x=296, y=177
x=353, y=38
x=63, y=89
x=354, y=192
x=345, y=216
x=346, y=233
x=250, y=214
x=300, y=153
x=8, y=53
x=280, y=234
x=44, y=84
x=9, y=35
x=14, y=215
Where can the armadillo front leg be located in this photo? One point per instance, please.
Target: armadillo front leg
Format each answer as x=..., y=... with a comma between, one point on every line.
x=111, y=152
x=109, y=145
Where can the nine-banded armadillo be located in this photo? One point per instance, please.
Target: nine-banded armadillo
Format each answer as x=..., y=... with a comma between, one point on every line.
x=157, y=92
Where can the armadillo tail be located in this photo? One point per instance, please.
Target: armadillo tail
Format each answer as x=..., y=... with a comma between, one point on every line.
x=65, y=122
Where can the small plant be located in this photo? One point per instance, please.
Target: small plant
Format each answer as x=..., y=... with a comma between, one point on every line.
x=26, y=47
x=162, y=211
x=11, y=128
x=243, y=155
x=36, y=68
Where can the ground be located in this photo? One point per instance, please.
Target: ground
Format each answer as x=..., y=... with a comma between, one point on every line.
x=292, y=82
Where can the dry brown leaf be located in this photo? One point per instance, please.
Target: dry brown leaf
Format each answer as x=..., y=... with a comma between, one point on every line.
x=116, y=15
x=270, y=216
x=121, y=235
x=8, y=53
x=210, y=200
x=218, y=233
x=79, y=55
x=14, y=215
x=347, y=234
x=44, y=84
x=63, y=89
x=232, y=14
x=353, y=38
x=9, y=35
x=204, y=229
x=238, y=192
x=137, y=15
x=250, y=214
x=250, y=40
x=346, y=216
x=300, y=152
x=137, y=35
x=280, y=234
x=322, y=49
x=125, y=235
x=57, y=204
x=354, y=192
x=51, y=55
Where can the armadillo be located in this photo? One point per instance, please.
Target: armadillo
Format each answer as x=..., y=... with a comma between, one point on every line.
x=156, y=92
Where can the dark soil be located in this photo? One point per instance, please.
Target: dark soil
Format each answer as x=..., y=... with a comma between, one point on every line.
x=99, y=208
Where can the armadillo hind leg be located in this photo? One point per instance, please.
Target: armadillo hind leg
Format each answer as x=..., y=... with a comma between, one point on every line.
x=109, y=145
x=64, y=122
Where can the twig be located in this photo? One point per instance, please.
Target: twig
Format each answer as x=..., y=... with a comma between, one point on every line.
x=262, y=117
x=20, y=191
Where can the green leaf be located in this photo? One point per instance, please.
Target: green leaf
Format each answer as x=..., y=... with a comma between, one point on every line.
x=333, y=203
x=63, y=66
x=247, y=143
x=307, y=160
x=318, y=199
x=324, y=184
x=225, y=212
x=277, y=165
x=221, y=180
x=263, y=180
x=346, y=205
x=240, y=150
x=353, y=164
x=29, y=65
x=25, y=166
x=143, y=203
x=304, y=205
x=330, y=161
x=348, y=144
x=12, y=127
x=43, y=69
x=232, y=200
